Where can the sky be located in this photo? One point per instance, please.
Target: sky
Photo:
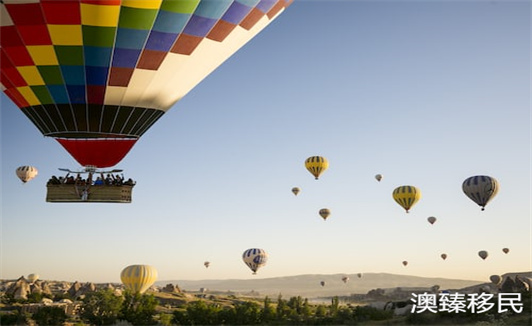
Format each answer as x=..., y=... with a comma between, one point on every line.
x=426, y=93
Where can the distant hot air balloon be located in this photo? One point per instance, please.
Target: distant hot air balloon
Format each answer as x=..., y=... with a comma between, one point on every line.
x=206, y=264
x=481, y=189
x=496, y=279
x=406, y=196
x=33, y=277
x=435, y=288
x=316, y=165
x=96, y=75
x=324, y=213
x=483, y=254
x=322, y=283
x=255, y=258
x=505, y=250
x=443, y=256
x=138, y=278
x=431, y=219
x=345, y=279
x=26, y=173
x=296, y=190
x=405, y=263
x=378, y=177
x=359, y=275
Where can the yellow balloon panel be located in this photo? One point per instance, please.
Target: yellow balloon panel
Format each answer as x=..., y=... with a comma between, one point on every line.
x=138, y=278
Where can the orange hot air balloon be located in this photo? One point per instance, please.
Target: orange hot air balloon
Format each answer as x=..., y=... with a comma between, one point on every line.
x=96, y=75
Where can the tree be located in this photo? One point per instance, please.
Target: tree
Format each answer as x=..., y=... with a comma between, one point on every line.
x=101, y=307
x=139, y=309
x=268, y=313
x=50, y=316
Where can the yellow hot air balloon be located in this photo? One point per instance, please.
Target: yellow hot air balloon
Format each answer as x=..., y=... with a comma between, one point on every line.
x=26, y=173
x=296, y=190
x=138, y=278
x=316, y=165
x=406, y=196
x=324, y=213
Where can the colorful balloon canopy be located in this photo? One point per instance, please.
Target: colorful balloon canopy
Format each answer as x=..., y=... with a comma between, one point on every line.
x=296, y=190
x=138, y=278
x=316, y=165
x=26, y=173
x=406, y=196
x=480, y=189
x=255, y=258
x=431, y=219
x=96, y=75
x=324, y=213
x=483, y=254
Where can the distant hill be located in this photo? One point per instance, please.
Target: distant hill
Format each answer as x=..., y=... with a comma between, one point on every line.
x=309, y=285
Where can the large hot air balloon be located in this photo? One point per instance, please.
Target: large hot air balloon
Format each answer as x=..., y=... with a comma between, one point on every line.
x=483, y=254
x=255, y=258
x=406, y=196
x=296, y=190
x=96, y=75
x=481, y=189
x=431, y=219
x=138, y=278
x=324, y=213
x=33, y=277
x=505, y=250
x=378, y=177
x=26, y=173
x=316, y=165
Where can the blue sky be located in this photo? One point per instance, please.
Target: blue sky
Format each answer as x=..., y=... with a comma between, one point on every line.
x=427, y=93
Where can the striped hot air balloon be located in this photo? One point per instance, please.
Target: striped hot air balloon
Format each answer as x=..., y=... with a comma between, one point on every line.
x=316, y=165
x=26, y=173
x=480, y=189
x=97, y=74
x=138, y=278
x=406, y=196
x=255, y=258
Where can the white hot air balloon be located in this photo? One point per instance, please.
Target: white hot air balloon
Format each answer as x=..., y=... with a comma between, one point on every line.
x=26, y=173
x=255, y=258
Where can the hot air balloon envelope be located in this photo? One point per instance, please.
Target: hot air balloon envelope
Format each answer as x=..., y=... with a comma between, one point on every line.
x=316, y=165
x=296, y=190
x=138, y=278
x=96, y=75
x=255, y=258
x=324, y=213
x=483, y=254
x=431, y=219
x=26, y=173
x=406, y=196
x=480, y=189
